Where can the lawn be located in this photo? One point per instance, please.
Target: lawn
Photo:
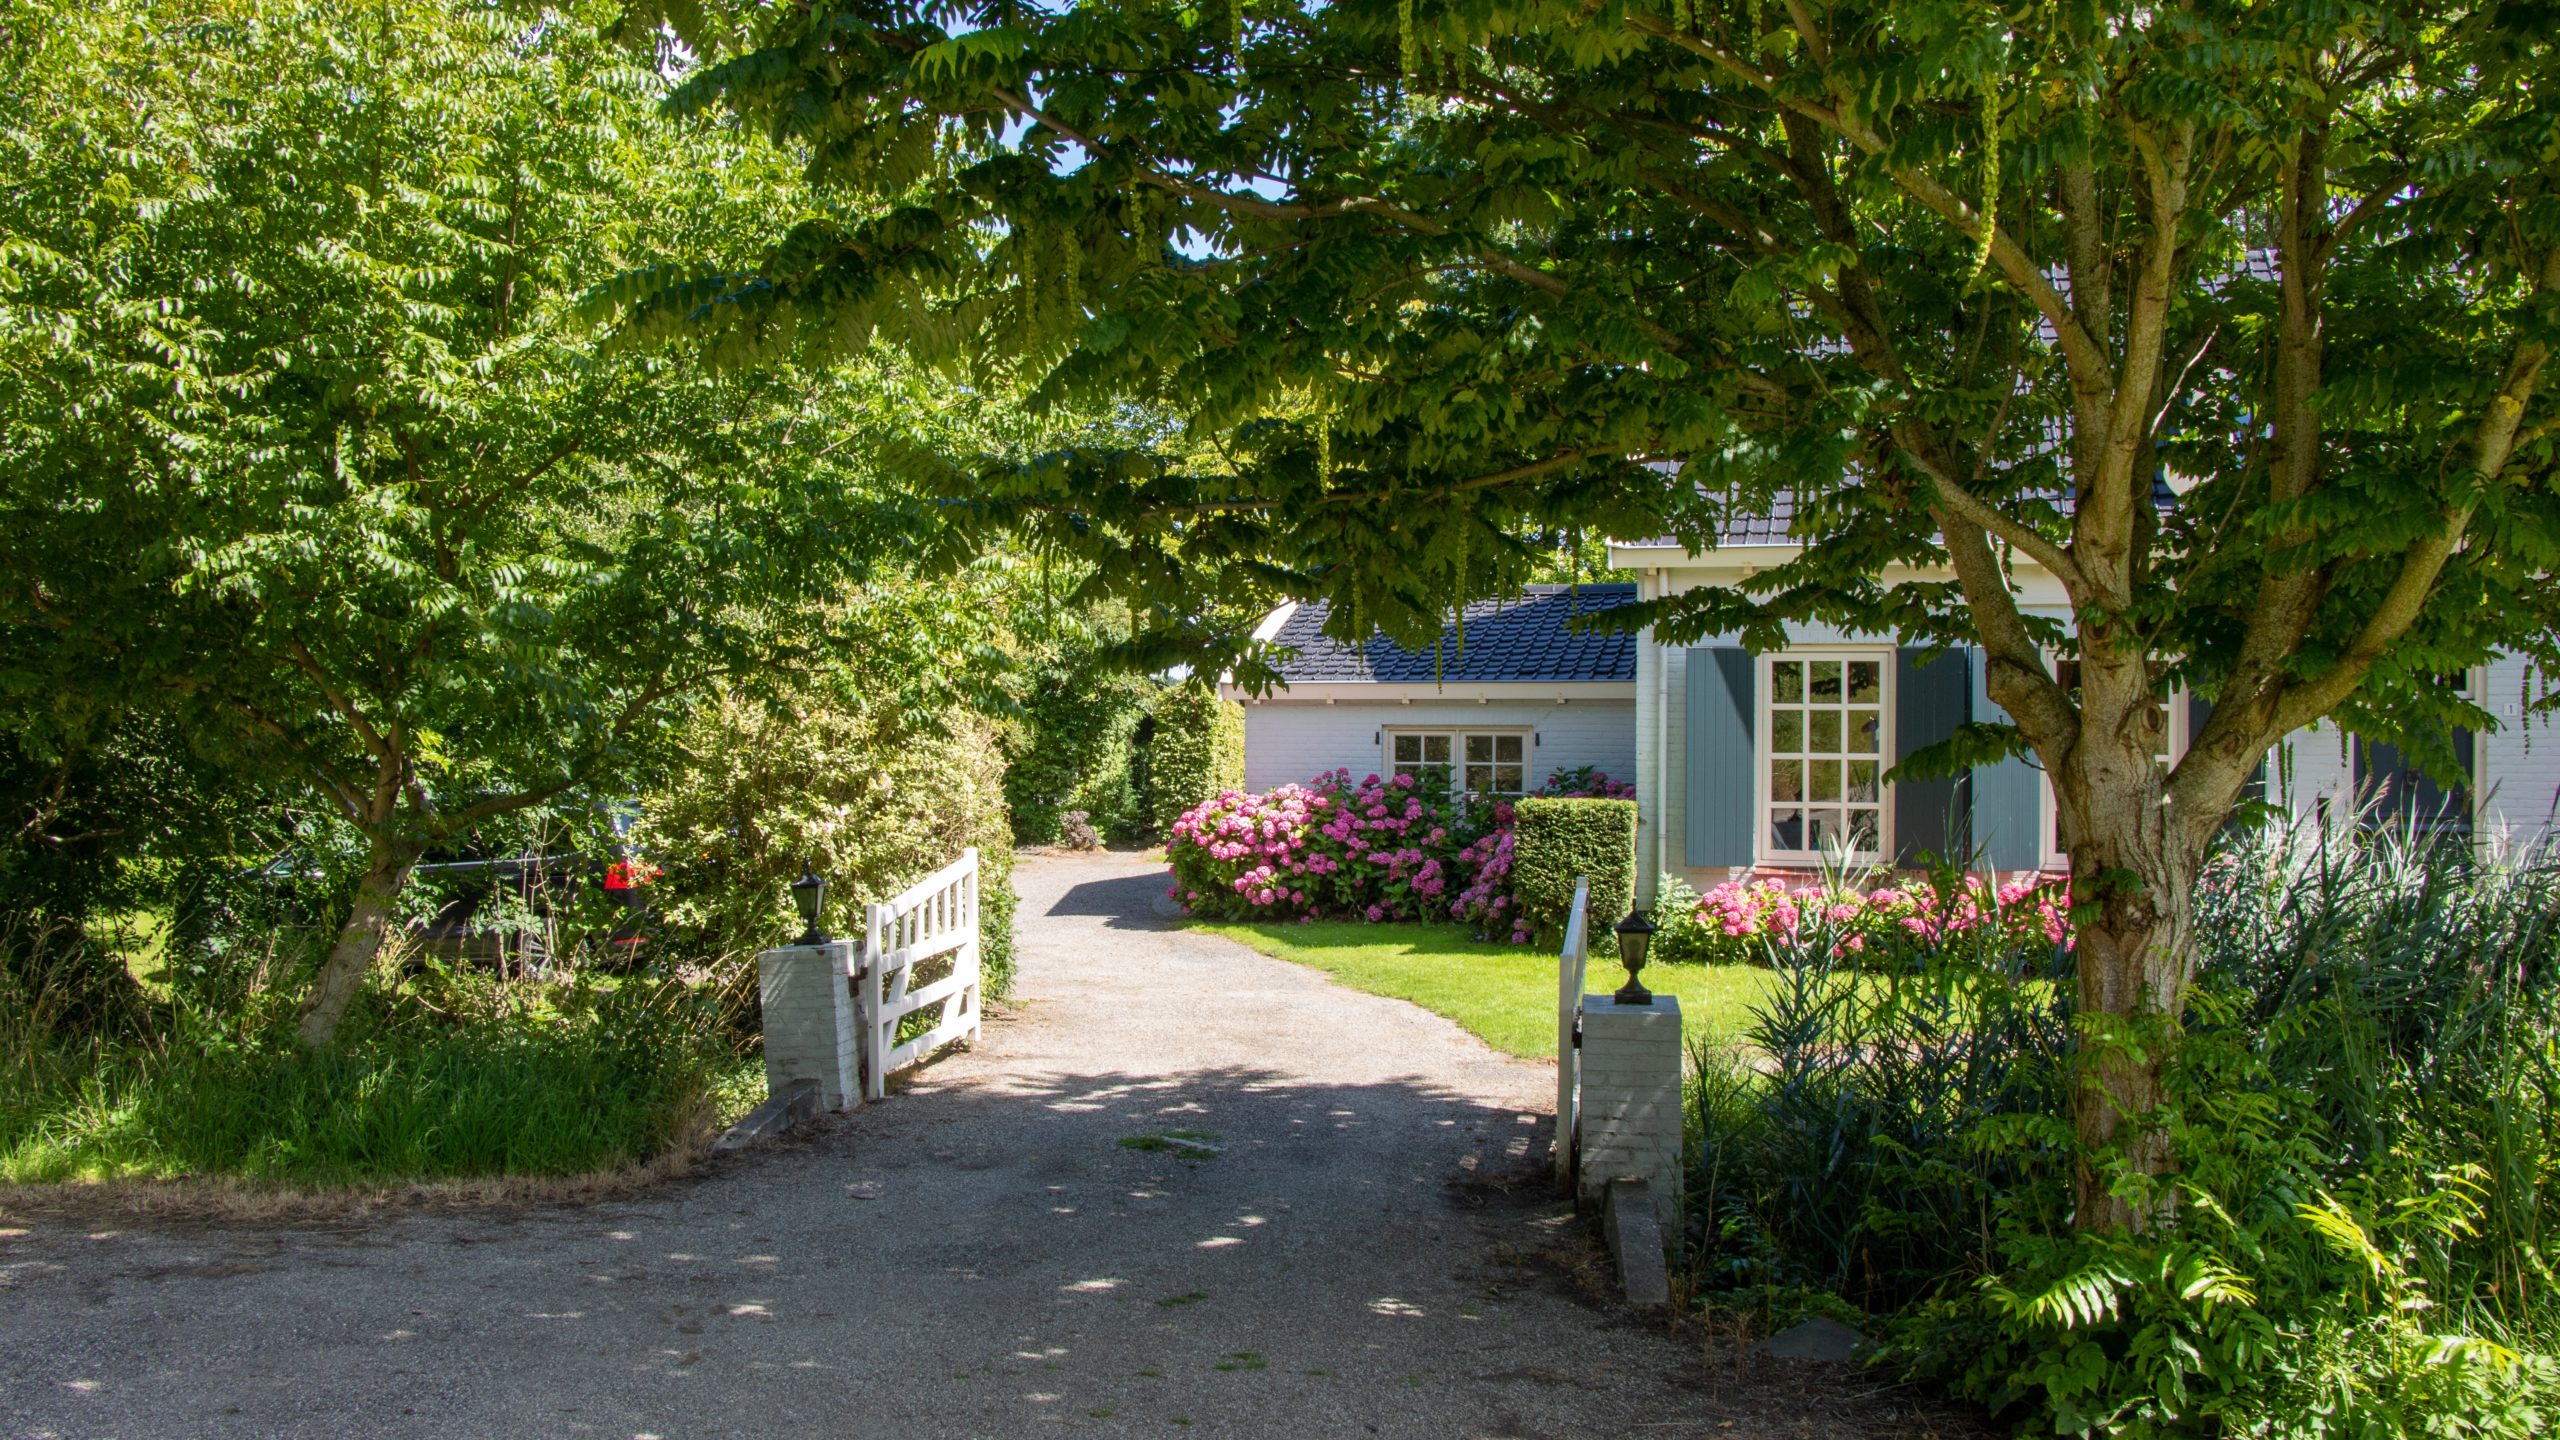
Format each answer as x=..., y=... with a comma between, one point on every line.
x=1505, y=994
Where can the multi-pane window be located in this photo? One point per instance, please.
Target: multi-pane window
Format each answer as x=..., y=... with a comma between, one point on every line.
x=1825, y=755
x=1479, y=762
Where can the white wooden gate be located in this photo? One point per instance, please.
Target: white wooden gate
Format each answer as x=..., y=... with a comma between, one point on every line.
x=936, y=916
x=1569, y=967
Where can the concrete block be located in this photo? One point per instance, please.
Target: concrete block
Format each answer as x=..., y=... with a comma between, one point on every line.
x=782, y=1110
x=1820, y=1338
x=1635, y=1240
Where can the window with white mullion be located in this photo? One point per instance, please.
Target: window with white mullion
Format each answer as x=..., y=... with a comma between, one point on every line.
x=1823, y=759
x=1496, y=763
x=1476, y=762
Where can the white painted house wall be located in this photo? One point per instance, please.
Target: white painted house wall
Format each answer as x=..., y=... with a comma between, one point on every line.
x=2520, y=761
x=1290, y=741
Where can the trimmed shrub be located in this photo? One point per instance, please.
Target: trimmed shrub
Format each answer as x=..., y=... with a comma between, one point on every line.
x=1558, y=840
x=1195, y=751
x=841, y=782
x=1072, y=748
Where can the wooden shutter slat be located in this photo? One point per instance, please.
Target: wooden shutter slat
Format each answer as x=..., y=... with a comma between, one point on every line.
x=1721, y=781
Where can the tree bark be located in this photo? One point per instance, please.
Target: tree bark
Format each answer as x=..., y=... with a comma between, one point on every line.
x=2135, y=949
x=2135, y=859
x=359, y=941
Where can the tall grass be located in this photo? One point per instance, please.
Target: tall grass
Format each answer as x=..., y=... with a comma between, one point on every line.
x=447, y=1072
x=2366, y=1107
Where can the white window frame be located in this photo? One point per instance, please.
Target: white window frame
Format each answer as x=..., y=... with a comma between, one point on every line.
x=1764, y=690
x=1528, y=736
x=2049, y=813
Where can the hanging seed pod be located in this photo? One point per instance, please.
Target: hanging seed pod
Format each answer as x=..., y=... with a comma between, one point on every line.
x=1990, y=178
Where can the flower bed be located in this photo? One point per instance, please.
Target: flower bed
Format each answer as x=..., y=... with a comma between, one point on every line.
x=1375, y=849
x=1761, y=920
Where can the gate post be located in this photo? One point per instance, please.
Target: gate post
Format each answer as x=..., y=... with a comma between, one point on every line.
x=1631, y=1121
x=809, y=1026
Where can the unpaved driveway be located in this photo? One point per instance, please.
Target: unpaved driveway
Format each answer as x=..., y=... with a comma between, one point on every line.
x=980, y=1255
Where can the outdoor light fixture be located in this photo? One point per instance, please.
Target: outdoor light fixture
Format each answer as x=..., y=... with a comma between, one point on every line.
x=809, y=892
x=1635, y=934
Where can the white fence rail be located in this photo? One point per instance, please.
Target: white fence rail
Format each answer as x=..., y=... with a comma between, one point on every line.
x=936, y=916
x=1570, y=962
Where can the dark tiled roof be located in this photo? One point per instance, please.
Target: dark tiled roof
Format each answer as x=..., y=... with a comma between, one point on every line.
x=1529, y=638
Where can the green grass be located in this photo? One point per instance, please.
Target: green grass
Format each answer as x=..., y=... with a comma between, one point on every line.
x=1504, y=994
x=615, y=1081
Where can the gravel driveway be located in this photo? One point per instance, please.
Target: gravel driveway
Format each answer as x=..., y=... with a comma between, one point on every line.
x=981, y=1255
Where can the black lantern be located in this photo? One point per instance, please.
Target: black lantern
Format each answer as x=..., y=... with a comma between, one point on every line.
x=1635, y=934
x=809, y=892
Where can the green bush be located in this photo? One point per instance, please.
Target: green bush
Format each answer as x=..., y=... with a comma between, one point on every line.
x=2365, y=1108
x=1557, y=841
x=1073, y=746
x=834, y=779
x=1195, y=750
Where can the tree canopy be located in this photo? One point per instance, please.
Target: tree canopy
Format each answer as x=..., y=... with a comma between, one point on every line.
x=2233, y=317
x=308, y=448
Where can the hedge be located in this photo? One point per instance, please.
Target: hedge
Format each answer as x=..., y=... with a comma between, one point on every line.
x=1195, y=752
x=1557, y=841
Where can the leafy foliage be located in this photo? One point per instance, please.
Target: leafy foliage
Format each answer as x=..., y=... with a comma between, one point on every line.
x=834, y=774
x=1074, y=745
x=1559, y=841
x=2357, y=1242
x=1195, y=750
x=305, y=445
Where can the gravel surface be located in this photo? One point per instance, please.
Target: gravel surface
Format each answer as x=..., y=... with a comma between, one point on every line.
x=1345, y=1236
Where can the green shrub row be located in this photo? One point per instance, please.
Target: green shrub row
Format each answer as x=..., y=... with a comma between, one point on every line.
x=1194, y=751
x=1558, y=840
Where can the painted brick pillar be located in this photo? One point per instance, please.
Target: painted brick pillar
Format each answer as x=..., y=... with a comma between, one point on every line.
x=809, y=1028
x=1631, y=1122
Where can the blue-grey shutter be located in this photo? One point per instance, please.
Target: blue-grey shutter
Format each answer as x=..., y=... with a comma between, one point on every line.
x=1930, y=701
x=1721, y=781
x=2008, y=798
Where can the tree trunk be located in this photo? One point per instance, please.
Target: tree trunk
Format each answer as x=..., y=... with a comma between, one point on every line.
x=2133, y=870
x=341, y=976
x=2134, y=958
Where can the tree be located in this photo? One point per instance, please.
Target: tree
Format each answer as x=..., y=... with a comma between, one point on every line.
x=305, y=446
x=1969, y=279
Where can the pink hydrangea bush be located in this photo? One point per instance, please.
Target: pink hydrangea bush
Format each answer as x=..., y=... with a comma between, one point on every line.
x=1379, y=849
x=1374, y=849
x=1893, y=921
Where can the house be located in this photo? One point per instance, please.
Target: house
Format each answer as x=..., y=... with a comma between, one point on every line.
x=1751, y=763
x=1528, y=692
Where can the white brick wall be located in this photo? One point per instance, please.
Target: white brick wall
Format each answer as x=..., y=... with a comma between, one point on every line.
x=1630, y=1105
x=809, y=1029
x=1290, y=742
